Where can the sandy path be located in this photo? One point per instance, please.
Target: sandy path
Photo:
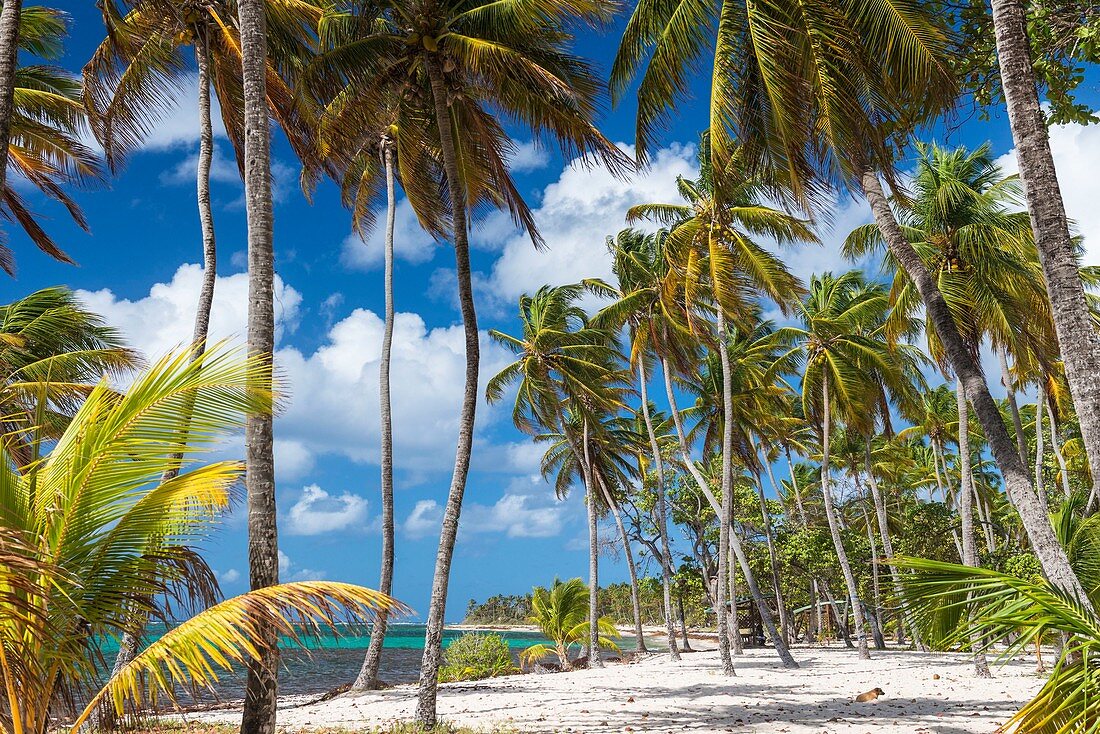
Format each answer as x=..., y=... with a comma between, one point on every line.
x=656, y=695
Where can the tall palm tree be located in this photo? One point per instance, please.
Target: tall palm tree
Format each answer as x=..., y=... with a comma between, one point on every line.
x=261, y=687
x=567, y=376
x=846, y=356
x=10, y=21
x=714, y=258
x=640, y=268
x=612, y=445
x=1078, y=340
x=465, y=64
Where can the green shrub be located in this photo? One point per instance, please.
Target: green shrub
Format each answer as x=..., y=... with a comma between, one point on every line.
x=476, y=656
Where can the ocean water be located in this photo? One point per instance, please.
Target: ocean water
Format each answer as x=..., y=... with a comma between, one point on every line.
x=322, y=663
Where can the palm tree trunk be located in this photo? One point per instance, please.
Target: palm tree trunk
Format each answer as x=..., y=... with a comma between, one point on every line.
x=433, y=633
x=937, y=461
x=773, y=557
x=727, y=484
x=887, y=541
x=834, y=525
x=733, y=619
x=635, y=601
x=9, y=63
x=594, y=659
x=1077, y=337
x=661, y=512
x=1051, y=555
x=261, y=688
x=683, y=624
x=721, y=601
x=1056, y=445
x=1014, y=407
x=794, y=485
x=814, y=625
x=876, y=586
x=368, y=673
x=841, y=622
x=1040, y=402
x=130, y=640
x=966, y=511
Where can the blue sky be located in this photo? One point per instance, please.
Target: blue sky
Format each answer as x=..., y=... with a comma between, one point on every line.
x=139, y=269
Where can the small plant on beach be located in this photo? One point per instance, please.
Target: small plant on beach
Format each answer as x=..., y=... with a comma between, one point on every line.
x=92, y=538
x=476, y=656
x=561, y=612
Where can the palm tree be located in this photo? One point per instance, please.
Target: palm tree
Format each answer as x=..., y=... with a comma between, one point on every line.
x=561, y=615
x=1078, y=340
x=640, y=268
x=713, y=258
x=44, y=135
x=89, y=533
x=848, y=361
x=568, y=377
x=261, y=687
x=53, y=351
x=464, y=64
x=10, y=22
x=612, y=445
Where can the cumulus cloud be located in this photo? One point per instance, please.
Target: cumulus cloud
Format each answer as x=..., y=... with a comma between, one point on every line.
x=424, y=520
x=164, y=319
x=332, y=391
x=577, y=212
x=228, y=577
x=410, y=242
x=179, y=126
x=526, y=510
x=528, y=156
x=317, y=512
x=1076, y=148
x=222, y=170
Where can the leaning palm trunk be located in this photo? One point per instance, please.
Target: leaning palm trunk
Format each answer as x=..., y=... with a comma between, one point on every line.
x=433, y=633
x=661, y=512
x=1051, y=555
x=773, y=557
x=887, y=542
x=720, y=607
x=261, y=688
x=594, y=659
x=635, y=602
x=876, y=586
x=1078, y=339
x=9, y=62
x=130, y=641
x=1013, y=405
x=734, y=542
x=1040, y=401
x=834, y=525
x=368, y=674
x=1056, y=446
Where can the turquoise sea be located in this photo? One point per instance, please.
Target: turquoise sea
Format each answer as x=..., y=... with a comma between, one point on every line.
x=330, y=661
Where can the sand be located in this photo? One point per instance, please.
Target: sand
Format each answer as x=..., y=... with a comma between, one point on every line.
x=654, y=694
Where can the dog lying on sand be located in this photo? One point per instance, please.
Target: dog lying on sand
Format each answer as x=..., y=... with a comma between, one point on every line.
x=870, y=695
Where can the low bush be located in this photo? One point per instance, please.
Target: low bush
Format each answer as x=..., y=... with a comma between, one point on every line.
x=475, y=656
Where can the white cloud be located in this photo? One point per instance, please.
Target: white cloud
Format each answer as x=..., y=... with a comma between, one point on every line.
x=528, y=509
x=317, y=512
x=334, y=392
x=410, y=242
x=1076, y=149
x=290, y=571
x=577, y=212
x=331, y=393
x=424, y=520
x=163, y=319
x=229, y=577
x=529, y=156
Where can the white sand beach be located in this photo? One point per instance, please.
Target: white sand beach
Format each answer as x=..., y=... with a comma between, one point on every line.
x=656, y=695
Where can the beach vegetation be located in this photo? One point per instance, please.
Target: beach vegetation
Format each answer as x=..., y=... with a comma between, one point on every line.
x=561, y=613
x=477, y=655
